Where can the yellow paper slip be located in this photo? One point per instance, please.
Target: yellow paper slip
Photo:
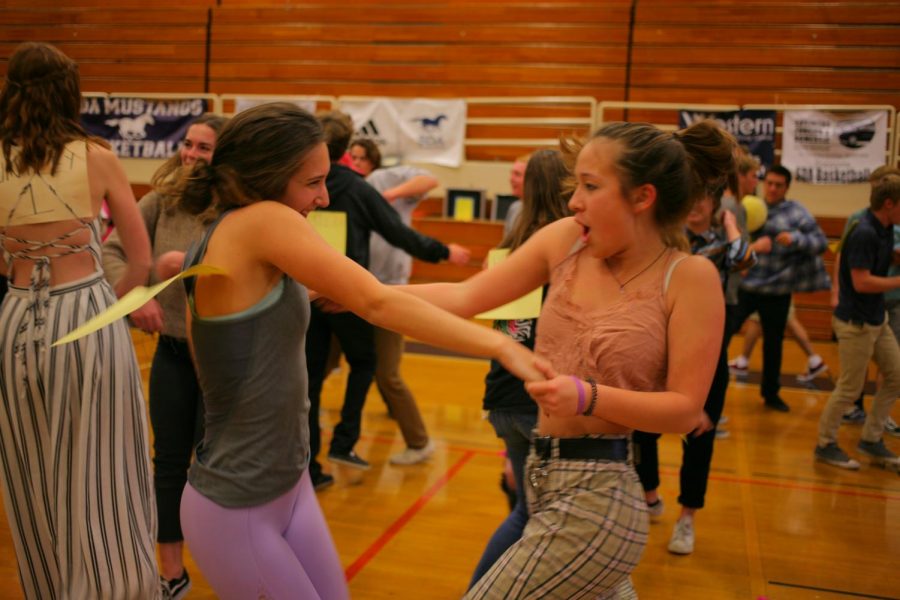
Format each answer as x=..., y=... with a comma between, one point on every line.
x=332, y=226
x=464, y=209
x=132, y=301
x=526, y=307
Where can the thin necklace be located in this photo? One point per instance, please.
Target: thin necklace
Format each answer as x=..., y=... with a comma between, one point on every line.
x=633, y=277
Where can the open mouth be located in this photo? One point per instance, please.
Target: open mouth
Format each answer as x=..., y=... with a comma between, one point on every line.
x=585, y=232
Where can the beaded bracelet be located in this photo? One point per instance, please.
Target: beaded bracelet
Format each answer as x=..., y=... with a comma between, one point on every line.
x=590, y=409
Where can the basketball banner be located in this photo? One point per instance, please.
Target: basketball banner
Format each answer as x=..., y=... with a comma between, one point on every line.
x=831, y=147
x=141, y=127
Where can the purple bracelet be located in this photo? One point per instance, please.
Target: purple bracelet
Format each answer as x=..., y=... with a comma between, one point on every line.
x=581, y=394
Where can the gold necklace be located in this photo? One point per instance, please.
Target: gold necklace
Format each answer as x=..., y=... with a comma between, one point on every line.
x=633, y=277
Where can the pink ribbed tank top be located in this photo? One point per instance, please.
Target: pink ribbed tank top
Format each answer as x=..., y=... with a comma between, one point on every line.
x=622, y=345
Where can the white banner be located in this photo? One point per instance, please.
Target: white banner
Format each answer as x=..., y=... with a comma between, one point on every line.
x=432, y=131
x=416, y=130
x=824, y=147
x=376, y=120
x=243, y=103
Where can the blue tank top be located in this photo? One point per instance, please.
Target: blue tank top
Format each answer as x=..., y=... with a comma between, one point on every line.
x=252, y=369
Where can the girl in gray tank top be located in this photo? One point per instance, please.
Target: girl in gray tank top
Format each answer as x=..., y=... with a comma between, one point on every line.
x=249, y=511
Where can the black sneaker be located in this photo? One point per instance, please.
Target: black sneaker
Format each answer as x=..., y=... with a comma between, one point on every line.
x=350, y=459
x=832, y=454
x=175, y=589
x=322, y=481
x=776, y=403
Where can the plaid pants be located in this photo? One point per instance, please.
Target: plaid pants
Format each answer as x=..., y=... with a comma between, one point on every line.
x=586, y=532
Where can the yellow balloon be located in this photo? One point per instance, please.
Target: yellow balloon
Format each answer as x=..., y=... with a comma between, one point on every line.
x=756, y=212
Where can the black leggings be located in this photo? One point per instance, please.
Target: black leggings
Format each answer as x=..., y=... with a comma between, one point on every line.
x=176, y=414
x=697, y=451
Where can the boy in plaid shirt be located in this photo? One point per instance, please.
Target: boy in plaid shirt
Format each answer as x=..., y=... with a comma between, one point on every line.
x=789, y=248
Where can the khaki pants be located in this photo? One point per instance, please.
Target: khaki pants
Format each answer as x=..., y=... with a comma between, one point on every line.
x=388, y=352
x=857, y=344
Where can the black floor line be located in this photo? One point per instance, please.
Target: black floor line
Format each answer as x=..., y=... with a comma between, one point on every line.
x=831, y=591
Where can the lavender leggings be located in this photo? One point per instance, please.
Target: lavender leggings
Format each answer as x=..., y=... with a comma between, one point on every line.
x=281, y=549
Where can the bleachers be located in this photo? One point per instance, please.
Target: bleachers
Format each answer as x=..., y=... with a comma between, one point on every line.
x=718, y=51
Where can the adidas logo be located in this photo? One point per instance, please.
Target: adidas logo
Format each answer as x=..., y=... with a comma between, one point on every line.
x=369, y=129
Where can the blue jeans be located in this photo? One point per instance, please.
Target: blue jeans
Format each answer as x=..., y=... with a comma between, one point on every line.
x=515, y=429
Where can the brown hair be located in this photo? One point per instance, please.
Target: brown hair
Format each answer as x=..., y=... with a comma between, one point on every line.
x=170, y=171
x=373, y=154
x=881, y=172
x=682, y=166
x=338, y=127
x=746, y=163
x=886, y=188
x=544, y=198
x=256, y=155
x=40, y=107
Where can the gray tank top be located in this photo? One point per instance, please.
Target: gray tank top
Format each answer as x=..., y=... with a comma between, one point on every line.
x=252, y=369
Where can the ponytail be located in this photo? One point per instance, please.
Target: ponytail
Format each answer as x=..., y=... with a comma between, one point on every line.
x=710, y=153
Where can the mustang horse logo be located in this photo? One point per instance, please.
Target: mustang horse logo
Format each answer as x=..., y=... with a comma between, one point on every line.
x=132, y=128
x=429, y=124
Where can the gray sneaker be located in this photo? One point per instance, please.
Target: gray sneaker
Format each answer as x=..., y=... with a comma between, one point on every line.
x=879, y=454
x=831, y=454
x=655, y=510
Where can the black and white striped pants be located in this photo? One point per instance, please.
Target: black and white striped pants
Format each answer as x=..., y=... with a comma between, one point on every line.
x=76, y=474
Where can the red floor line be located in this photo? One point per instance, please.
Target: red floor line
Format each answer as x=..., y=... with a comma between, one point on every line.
x=395, y=527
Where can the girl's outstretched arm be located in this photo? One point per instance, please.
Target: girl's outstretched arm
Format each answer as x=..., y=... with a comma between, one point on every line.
x=293, y=247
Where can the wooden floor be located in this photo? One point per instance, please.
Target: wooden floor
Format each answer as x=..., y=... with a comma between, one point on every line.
x=777, y=525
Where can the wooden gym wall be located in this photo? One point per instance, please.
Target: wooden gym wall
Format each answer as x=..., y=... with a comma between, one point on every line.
x=841, y=52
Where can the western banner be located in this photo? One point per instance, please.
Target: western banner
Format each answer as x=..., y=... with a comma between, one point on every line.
x=752, y=128
x=825, y=147
x=141, y=127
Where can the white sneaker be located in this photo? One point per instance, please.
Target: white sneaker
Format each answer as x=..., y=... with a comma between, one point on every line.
x=682, y=541
x=739, y=366
x=815, y=366
x=412, y=456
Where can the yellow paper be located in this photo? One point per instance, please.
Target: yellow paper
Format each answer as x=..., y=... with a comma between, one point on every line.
x=44, y=198
x=464, y=209
x=526, y=307
x=332, y=226
x=132, y=301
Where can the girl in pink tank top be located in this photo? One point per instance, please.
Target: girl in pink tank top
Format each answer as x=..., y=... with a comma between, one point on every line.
x=628, y=339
